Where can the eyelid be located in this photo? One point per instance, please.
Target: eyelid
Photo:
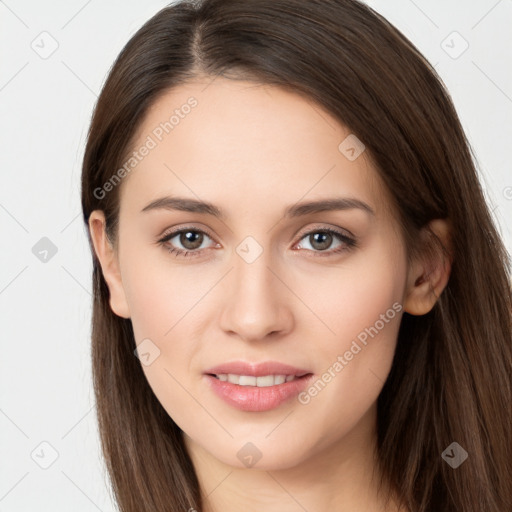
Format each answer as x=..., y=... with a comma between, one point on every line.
x=325, y=227
x=176, y=231
x=306, y=231
x=350, y=238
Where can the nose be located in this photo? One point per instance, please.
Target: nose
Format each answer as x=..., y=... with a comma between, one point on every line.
x=256, y=303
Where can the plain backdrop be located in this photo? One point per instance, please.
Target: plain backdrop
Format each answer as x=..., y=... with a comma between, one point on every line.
x=49, y=448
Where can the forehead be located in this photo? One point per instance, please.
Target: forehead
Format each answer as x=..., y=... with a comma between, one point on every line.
x=245, y=144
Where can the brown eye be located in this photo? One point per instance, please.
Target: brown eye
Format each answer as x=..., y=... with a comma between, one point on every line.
x=191, y=240
x=185, y=241
x=320, y=240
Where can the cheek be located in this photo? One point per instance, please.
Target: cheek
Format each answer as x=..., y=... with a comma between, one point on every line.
x=362, y=305
x=161, y=301
x=353, y=296
x=166, y=303
x=161, y=295
x=360, y=327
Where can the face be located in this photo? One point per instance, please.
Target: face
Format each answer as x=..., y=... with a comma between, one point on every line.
x=228, y=301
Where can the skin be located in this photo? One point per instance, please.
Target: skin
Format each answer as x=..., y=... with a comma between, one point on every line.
x=254, y=150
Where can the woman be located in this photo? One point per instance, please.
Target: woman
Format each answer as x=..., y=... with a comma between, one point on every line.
x=301, y=301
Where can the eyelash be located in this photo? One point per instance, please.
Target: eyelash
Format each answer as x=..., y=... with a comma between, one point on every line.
x=349, y=243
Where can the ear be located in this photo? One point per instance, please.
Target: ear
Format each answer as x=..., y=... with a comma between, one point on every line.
x=109, y=262
x=428, y=275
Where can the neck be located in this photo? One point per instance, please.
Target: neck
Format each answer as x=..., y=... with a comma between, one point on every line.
x=343, y=477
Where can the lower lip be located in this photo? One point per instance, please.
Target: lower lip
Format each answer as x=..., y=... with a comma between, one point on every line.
x=255, y=399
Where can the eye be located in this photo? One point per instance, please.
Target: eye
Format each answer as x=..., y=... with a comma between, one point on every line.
x=321, y=239
x=191, y=239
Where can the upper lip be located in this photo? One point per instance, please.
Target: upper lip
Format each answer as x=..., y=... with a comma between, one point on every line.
x=256, y=369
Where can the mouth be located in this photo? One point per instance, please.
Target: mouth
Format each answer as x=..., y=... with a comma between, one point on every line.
x=257, y=387
x=263, y=381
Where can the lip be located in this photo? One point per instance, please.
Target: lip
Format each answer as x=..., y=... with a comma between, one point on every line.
x=253, y=398
x=257, y=369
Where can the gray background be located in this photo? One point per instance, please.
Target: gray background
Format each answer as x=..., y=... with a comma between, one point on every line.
x=46, y=103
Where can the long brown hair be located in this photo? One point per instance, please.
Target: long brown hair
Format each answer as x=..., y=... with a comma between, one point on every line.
x=450, y=379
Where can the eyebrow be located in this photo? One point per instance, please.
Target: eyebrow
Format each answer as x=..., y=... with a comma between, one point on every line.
x=299, y=209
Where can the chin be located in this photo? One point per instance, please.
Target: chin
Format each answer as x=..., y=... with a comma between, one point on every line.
x=264, y=455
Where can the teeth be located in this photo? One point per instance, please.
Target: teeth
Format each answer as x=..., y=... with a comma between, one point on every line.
x=250, y=380
x=246, y=380
x=263, y=382
x=234, y=379
x=279, y=379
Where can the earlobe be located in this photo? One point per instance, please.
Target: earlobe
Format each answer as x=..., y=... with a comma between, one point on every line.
x=429, y=275
x=109, y=263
